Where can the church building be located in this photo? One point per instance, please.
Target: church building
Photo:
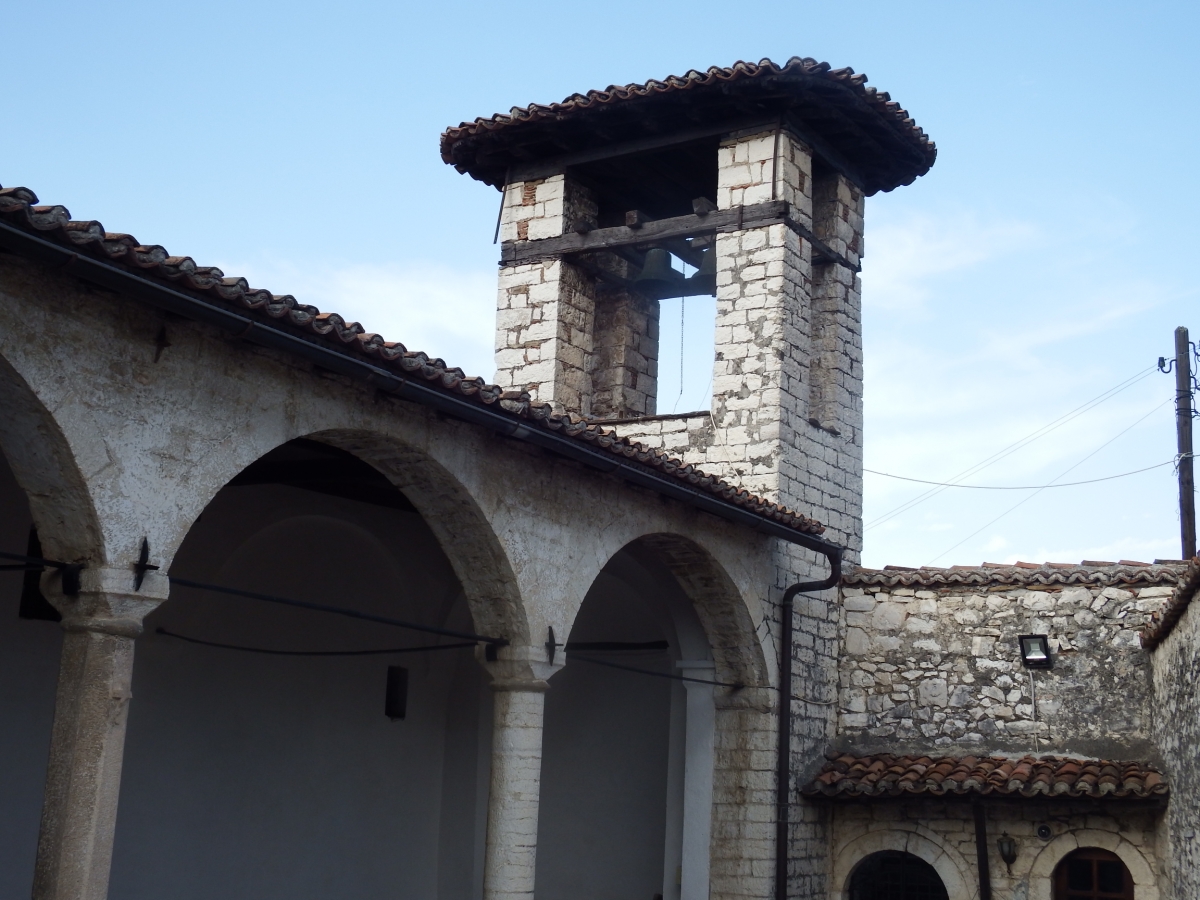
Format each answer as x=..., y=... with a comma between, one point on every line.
x=290, y=609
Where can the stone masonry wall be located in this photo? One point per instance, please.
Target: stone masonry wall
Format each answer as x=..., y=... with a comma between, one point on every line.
x=945, y=828
x=836, y=377
x=625, y=377
x=781, y=323
x=938, y=666
x=1176, y=668
x=545, y=310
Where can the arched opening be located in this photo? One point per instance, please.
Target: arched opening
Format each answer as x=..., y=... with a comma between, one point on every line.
x=895, y=875
x=1092, y=874
x=627, y=757
x=30, y=649
x=270, y=751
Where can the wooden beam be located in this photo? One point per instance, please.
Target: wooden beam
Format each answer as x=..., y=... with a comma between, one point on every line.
x=662, y=231
x=822, y=149
x=556, y=165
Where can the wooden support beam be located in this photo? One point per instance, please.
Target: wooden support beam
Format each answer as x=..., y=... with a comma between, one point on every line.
x=663, y=231
x=544, y=168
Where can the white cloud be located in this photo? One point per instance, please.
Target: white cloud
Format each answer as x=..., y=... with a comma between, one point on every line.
x=431, y=308
x=979, y=332
x=904, y=256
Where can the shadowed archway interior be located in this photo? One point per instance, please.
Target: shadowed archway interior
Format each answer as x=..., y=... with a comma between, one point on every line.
x=893, y=875
x=1092, y=874
x=252, y=774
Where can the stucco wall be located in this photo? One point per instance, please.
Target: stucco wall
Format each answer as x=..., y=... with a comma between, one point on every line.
x=1176, y=667
x=939, y=668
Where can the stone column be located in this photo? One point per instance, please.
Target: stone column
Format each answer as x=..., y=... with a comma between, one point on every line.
x=764, y=281
x=512, y=821
x=545, y=310
x=699, y=753
x=625, y=373
x=787, y=382
x=83, y=779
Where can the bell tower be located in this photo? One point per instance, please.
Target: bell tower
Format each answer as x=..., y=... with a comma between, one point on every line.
x=752, y=177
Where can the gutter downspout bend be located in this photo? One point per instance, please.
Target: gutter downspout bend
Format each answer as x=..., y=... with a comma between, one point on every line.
x=783, y=778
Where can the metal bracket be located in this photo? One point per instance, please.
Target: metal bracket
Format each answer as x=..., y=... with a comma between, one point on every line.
x=551, y=645
x=142, y=566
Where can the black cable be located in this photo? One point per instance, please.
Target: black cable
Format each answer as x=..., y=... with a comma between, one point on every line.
x=601, y=662
x=340, y=611
x=616, y=646
x=192, y=640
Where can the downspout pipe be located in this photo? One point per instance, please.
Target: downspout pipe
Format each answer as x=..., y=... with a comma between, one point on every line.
x=783, y=767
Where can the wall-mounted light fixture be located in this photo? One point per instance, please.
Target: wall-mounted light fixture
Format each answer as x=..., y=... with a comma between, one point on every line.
x=1035, y=651
x=1008, y=850
x=395, y=703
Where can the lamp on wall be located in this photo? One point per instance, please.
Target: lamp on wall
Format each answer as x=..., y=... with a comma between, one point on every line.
x=1035, y=651
x=395, y=704
x=1008, y=850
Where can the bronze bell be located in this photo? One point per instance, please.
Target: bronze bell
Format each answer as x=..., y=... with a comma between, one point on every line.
x=704, y=279
x=658, y=278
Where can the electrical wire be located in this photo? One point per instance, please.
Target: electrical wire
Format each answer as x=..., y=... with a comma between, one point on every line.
x=736, y=685
x=1025, y=487
x=338, y=611
x=1025, y=500
x=1017, y=445
x=270, y=652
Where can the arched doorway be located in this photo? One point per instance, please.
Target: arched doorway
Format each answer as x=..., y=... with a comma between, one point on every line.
x=30, y=649
x=263, y=757
x=893, y=875
x=1092, y=874
x=627, y=757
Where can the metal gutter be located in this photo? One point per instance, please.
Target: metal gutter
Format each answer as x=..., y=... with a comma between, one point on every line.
x=316, y=351
x=783, y=758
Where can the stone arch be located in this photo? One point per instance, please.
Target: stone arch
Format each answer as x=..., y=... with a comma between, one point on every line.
x=45, y=466
x=455, y=517
x=448, y=507
x=1041, y=887
x=723, y=613
x=920, y=842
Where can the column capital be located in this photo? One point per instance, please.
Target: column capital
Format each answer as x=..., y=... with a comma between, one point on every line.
x=521, y=669
x=107, y=602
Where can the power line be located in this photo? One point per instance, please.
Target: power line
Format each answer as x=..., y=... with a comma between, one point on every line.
x=1025, y=500
x=1023, y=487
x=1017, y=445
x=271, y=652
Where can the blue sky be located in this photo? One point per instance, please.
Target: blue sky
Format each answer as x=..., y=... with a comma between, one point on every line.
x=1046, y=258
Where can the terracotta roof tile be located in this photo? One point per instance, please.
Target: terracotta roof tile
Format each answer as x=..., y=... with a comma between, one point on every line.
x=884, y=775
x=896, y=146
x=18, y=207
x=1019, y=575
x=1164, y=622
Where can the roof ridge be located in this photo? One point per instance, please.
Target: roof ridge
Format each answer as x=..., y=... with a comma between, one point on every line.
x=880, y=102
x=1027, y=574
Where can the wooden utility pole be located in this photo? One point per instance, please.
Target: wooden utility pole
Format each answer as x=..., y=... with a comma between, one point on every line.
x=1183, y=429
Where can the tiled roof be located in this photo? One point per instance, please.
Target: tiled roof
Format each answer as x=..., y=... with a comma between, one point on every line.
x=839, y=101
x=885, y=775
x=1165, y=621
x=1089, y=572
x=282, y=311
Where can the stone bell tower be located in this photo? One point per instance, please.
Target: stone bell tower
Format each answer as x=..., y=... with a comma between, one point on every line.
x=755, y=176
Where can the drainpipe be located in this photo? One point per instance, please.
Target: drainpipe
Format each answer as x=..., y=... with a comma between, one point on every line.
x=783, y=762
x=981, y=852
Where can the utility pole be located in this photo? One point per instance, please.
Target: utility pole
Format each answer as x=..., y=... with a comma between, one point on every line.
x=1183, y=429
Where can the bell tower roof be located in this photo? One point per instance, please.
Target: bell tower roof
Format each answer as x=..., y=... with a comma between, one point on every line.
x=855, y=129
